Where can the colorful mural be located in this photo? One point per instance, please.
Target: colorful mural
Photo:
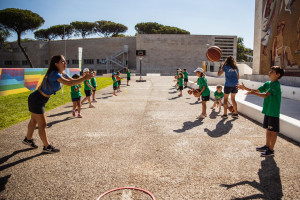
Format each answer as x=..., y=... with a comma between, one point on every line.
x=280, y=37
x=18, y=80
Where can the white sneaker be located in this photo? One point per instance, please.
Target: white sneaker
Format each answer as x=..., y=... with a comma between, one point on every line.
x=92, y=106
x=201, y=116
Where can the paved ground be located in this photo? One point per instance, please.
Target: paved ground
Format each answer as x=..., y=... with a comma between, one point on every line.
x=147, y=138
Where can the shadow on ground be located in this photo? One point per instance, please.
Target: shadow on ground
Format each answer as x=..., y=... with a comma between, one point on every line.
x=269, y=182
x=222, y=128
x=189, y=125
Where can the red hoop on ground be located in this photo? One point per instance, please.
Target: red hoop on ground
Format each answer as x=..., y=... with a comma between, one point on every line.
x=127, y=188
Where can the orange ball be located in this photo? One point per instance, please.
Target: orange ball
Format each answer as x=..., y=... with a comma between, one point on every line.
x=214, y=53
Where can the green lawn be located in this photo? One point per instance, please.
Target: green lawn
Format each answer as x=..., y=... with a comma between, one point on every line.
x=14, y=108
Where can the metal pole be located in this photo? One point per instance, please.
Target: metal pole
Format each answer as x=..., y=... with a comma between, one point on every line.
x=140, y=69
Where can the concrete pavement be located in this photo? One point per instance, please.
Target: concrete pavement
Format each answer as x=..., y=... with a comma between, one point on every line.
x=149, y=138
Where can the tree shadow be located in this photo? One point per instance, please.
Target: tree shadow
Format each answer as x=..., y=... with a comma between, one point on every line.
x=3, y=181
x=269, y=181
x=3, y=167
x=221, y=128
x=189, y=125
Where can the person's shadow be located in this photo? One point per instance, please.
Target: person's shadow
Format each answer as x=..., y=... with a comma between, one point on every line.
x=213, y=114
x=269, y=181
x=173, y=98
x=189, y=125
x=221, y=129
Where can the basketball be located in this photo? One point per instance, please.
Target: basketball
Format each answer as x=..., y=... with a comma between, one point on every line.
x=196, y=93
x=214, y=53
x=175, y=77
x=118, y=78
x=190, y=92
x=231, y=109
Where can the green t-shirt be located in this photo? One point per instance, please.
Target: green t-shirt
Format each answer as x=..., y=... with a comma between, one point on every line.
x=115, y=83
x=186, y=74
x=219, y=95
x=86, y=87
x=75, y=94
x=203, y=82
x=128, y=73
x=180, y=81
x=271, y=106
x=93, y=81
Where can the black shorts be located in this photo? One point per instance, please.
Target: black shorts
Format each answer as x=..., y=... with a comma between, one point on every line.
x=119, y=83
x=205, y=98
x=271, y=123
x=37, y=102
x=180, y=87
x=186, y=80
x=88, y=93
x=228, y=90
x=94, y=88
x=76, y=99
x=128, y=78
x=115, y=87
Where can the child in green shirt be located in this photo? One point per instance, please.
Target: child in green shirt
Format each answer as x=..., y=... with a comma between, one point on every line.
x=271, y=92
x=94, y=84
x=87, y=89
x=115, y=83
x=128, y=76
x=218, y=97
x=119, y=82
x=186, y=77
x=180, y=83
x=76, y=97
x=204, y=91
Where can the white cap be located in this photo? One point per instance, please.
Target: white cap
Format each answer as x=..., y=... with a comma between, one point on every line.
x=86, y=70
x=179, y=69
x=199, y=69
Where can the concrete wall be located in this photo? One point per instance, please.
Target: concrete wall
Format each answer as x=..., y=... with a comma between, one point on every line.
x=165, y=53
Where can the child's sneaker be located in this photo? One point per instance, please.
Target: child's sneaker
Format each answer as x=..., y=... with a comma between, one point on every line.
x=115, y=94
x=92, y=106
x=73, y=113
x=224, y=116
x=262, y=149
x=180, y=95
x=267, y=153
x=29, y=143
x=201, y=116
x=79, y=115
x=50, y=149
x=95, y=101
x=236, y=116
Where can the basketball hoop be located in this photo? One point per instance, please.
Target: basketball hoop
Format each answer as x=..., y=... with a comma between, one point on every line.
x=141, y=57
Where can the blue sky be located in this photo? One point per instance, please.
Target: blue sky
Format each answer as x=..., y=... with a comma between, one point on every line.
x=199, y=17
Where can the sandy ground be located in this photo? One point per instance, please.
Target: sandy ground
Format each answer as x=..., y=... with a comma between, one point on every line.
x=147, y=137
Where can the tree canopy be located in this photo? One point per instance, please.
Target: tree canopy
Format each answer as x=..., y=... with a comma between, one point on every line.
x=43, y=34
x=108, y=28
x=155, y=28
x=83, y=28
x=4, y=34
x=20, y=21
x=64, y=31
x=242, y=51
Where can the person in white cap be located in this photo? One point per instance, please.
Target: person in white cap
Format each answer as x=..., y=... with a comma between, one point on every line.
x=87, y=89
x=204, y=91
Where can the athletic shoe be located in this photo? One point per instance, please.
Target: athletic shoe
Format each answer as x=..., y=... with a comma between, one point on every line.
x=79, y=115
x=29, y=143
x=73, y=113
x=236, y=116
x=180, y=95
x=201, y=116
x=92, y=106
x=262, y=149
x=267, y=153
x=115, y=94
x=224, y=116
x=95, y=101
x=50, y=149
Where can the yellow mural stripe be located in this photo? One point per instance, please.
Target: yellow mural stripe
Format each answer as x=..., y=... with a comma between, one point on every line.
x=15, y=91
x=32, y=77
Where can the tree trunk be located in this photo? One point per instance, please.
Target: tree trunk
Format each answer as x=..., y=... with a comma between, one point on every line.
x=23, y=50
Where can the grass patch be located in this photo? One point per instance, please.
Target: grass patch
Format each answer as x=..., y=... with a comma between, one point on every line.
x=14, y=107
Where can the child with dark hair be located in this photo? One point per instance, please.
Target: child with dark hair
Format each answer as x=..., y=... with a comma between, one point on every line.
x=271, y=92
x=76, y=97
x=94, y=84
x=54, y=77
x=180, y=83
x=186, y=77
x=231, y=80
x=87, y=90
x=115, y=83
x=119, y=81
